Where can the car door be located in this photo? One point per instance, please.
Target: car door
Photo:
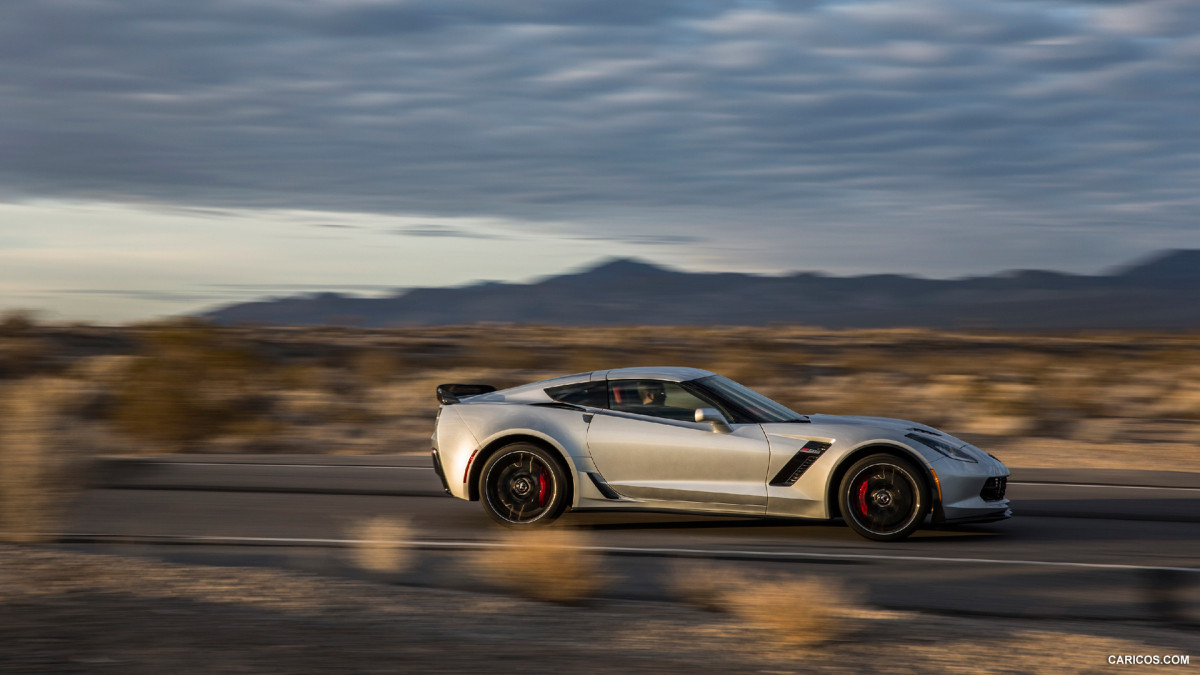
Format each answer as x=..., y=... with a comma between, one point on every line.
x=647, y=446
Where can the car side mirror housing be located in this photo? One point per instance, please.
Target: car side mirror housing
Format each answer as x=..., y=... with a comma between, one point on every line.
x=714, y=417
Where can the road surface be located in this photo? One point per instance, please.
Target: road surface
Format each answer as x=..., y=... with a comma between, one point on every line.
x=1088, y=544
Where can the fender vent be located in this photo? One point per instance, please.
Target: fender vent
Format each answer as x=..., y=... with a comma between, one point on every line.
x=799, y=463
x=931, y=432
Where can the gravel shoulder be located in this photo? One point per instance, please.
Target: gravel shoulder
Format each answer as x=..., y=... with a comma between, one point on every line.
x=75, y=612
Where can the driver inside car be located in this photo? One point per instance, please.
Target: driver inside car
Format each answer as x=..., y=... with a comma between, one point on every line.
x=652, y=394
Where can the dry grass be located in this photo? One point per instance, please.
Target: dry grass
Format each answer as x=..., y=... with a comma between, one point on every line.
x=796, y=611
x=381, y=545
x=41, y=467
x=197, y=388
x=551, y=565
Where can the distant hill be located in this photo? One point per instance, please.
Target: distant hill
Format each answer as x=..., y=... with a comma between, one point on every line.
x=1161, y=292
x=1173, y=269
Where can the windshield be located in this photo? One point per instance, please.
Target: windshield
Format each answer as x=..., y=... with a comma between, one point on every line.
x=757, y=407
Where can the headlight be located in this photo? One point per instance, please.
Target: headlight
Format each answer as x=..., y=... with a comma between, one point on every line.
x=942, y=447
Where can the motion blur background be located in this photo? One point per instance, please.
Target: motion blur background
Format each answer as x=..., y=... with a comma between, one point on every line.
x=252, y=228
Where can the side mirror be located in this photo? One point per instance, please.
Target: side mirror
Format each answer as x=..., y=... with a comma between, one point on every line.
x=714, y=417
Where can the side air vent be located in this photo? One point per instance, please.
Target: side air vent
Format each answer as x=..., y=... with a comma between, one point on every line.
x=799, y=463
x=604, y=488
x=993, y=490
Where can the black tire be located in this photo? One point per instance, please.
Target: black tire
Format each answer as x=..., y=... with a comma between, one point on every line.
x=522, y=485
x=884, y=497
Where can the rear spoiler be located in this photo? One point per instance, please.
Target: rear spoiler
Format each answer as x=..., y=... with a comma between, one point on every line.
x=449, y=394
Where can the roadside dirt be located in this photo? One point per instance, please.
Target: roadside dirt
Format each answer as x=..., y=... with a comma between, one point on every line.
x=72, y=612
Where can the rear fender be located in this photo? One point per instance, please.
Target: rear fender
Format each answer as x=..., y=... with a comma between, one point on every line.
x=561, y=431
x=569, y=465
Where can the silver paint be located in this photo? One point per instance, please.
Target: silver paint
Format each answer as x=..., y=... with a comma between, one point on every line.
x=660, y=464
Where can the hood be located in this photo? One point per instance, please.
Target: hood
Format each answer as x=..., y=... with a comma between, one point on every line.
x=850, y=429
x=887, y=423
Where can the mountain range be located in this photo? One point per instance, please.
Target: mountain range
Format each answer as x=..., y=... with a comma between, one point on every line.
x=1161, y=292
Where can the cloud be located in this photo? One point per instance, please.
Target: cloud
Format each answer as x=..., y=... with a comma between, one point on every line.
x=586, y=116
x=646, y=239
x=260, y=289
x=217, y=293
x=441, y=231
x=156, y=296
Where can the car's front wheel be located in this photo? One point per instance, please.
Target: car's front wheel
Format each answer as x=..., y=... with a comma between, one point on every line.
x=522, y=485
x=884, y=497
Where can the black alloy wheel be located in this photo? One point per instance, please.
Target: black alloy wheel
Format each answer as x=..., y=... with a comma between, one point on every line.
x=884, y=497
x=522, y=485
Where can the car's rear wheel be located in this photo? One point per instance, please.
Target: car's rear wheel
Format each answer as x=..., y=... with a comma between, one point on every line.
x=522, y=485
x=884, y=497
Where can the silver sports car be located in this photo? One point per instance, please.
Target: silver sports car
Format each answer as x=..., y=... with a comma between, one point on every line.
x=687, y=440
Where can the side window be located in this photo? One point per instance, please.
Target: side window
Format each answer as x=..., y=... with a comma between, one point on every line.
x=655, y=398
x=590, y=394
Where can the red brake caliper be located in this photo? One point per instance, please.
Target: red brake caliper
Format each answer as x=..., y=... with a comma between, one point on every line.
x=543, y=488
x=862, y=497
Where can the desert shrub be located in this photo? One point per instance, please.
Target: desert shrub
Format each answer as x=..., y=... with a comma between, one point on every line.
x=300, y=376
x=1068, y=394
x=17, y=322
x=797, y=611
x=189, y=385
x=377, y=366
x=1176, y=357
x=41, y=466
x=551, y=565
x=865, y=361
x=794, y=610
x=753, y=370
x=381, y=545
x=499, y=350
x=22, y=351
x=582, y=358
x=24, y=356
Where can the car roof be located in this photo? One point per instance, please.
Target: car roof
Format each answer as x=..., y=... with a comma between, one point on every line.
x=669, y=373
x=535, y=390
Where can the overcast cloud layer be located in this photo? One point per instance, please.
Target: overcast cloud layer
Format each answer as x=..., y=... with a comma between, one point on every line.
x=929, y=136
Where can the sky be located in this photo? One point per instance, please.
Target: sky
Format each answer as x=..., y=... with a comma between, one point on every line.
x=159, y=157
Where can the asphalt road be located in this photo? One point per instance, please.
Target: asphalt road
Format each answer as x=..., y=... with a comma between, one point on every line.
x=1083, y=544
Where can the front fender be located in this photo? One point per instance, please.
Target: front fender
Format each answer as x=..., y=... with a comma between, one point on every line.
x=845, y=459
